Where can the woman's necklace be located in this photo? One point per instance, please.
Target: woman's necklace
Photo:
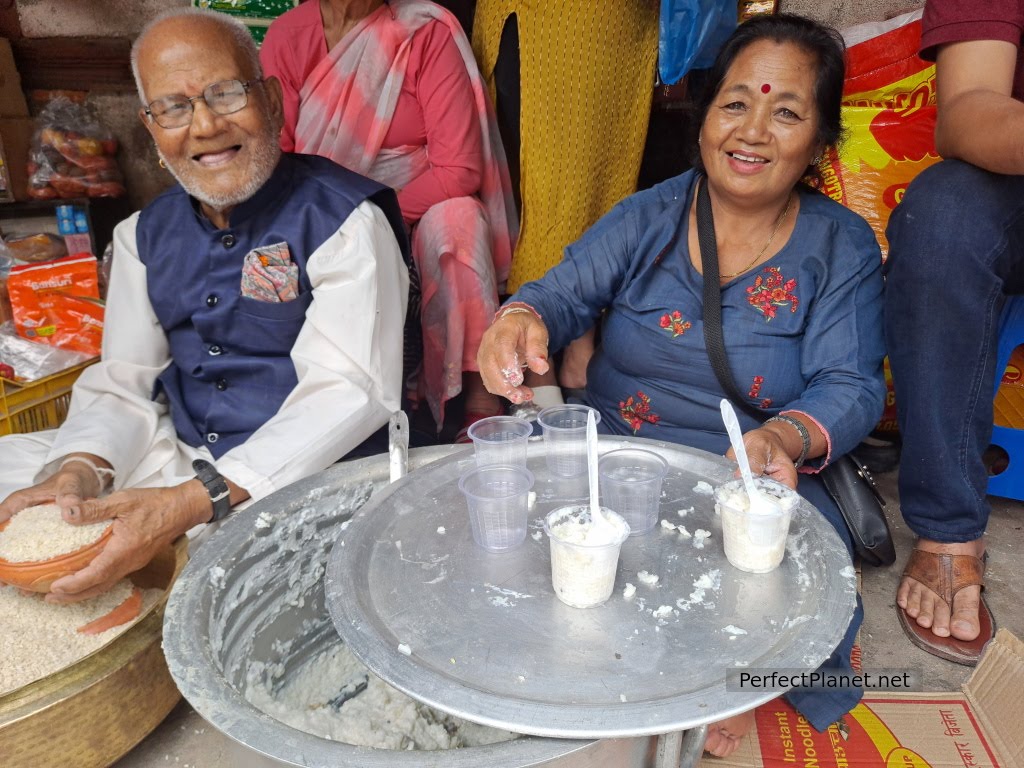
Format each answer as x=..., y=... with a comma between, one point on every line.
x=775, y=231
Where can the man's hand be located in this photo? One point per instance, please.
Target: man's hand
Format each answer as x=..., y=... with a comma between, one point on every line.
x=146, y=520
x=73, y=484
x=512, y=340
x=767, y=456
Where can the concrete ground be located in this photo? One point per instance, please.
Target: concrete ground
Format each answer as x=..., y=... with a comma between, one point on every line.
x=185, y=740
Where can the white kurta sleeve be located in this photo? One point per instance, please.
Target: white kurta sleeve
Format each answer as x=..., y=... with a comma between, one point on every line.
x=348, y=359
x=112, y=414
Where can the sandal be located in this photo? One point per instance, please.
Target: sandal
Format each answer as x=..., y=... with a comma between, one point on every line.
x=946, y=574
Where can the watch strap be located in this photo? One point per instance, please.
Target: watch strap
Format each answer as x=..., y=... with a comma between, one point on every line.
x=216, y=486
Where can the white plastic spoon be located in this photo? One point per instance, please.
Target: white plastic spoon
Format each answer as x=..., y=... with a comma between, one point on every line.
x=756, y=499
x=596, y=516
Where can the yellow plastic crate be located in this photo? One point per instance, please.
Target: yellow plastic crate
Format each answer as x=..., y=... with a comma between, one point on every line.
x=41, y=404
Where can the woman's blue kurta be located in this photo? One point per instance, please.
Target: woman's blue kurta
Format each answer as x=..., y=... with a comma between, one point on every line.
x=803, y=332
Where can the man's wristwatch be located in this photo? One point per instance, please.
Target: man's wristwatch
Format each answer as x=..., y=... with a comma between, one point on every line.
x=216, y=486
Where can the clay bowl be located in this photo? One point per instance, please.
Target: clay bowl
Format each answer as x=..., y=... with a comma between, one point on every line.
x=38, y=575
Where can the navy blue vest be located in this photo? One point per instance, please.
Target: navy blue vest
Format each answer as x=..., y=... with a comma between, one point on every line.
x=230, y=355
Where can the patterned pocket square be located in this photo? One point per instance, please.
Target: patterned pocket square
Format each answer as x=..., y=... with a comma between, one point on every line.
x=268, y=274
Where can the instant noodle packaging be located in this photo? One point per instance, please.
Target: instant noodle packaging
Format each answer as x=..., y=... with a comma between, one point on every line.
x=58, y=303
x=975, y=727
x=889, y=112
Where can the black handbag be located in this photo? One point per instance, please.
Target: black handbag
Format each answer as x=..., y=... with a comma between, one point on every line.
x=846, y=479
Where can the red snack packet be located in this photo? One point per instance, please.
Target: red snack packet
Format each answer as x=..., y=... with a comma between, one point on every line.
x=58, y=303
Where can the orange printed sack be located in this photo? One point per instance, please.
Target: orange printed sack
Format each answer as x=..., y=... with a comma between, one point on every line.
x=58, y=303
x=889, y=113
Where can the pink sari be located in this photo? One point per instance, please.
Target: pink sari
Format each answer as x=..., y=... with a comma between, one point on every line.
x=462, y=246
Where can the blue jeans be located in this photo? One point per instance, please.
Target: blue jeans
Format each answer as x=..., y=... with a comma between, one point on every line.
x=956, y=252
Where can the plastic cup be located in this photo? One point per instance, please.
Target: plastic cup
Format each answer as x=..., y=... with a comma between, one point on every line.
x=631, y=485
x=565, y=438
x=755, y=541
x=583, y=561
x=500, y=440
x=498, y=499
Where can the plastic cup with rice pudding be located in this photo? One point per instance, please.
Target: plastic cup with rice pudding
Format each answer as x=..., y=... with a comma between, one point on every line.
x=755, y=541
x=584, y=554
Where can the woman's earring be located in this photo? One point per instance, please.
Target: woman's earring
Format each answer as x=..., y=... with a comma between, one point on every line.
x=162, y=164
x=816, y=159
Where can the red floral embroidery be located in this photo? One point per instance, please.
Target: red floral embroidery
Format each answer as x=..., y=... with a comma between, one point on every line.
x=674, y=322
x=636, y=412
x=755, y=392
x=771, y=291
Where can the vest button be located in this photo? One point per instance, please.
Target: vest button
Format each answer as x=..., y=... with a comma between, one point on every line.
x=215, y=350
x=212, y=437
x=211, y=300
x=222, y=384
x=228, y=240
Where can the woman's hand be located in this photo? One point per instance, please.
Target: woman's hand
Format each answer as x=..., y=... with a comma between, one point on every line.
x=513, y=340
x=767, y=456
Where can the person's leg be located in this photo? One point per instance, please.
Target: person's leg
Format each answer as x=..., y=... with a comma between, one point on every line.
x=451, y=246
x=572, y=373
x=956, y=249
x=820, y=708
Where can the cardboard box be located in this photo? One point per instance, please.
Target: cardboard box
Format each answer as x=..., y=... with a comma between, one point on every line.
x=1009, y=402
x=980, y=727
x=12, y=98
x=15, y=141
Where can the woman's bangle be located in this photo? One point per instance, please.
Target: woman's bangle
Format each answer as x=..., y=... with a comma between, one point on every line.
x=805, y=436
x=103, y=474
x=516, y=308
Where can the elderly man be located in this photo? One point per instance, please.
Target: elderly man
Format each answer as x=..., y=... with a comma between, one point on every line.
x=254, y=320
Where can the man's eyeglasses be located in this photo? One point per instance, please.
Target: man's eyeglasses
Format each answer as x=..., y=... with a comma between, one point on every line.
x=224, y=98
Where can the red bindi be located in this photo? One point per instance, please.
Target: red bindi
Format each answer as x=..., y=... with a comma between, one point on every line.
x=765, y=88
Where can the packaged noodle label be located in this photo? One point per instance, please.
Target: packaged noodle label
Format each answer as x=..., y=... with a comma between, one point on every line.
x=889, y=113
x=58, y=303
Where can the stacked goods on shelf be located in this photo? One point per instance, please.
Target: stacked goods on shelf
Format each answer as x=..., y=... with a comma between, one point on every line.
x=72, y=154
x=255, y=14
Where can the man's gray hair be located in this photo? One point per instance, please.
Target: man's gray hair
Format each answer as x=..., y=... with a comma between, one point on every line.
x=236, y=29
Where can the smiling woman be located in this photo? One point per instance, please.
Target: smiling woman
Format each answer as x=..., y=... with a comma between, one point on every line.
x=800, y=294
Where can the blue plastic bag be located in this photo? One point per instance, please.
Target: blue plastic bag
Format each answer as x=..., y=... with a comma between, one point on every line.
x=690, y=34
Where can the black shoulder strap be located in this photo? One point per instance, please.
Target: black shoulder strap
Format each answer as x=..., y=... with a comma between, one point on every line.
x=713, y=339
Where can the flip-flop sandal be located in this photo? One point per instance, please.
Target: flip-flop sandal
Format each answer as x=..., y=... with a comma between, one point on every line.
x=945, y=575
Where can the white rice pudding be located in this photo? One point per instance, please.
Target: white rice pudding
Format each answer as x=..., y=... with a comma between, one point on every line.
x=40, y=533
x=755, y=542
x=316, y=700
x=584, y=554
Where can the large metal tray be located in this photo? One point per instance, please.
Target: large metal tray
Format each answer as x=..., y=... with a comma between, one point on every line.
x=482, y=636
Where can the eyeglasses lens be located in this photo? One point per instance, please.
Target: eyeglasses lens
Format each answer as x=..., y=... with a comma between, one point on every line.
x=224, y=98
